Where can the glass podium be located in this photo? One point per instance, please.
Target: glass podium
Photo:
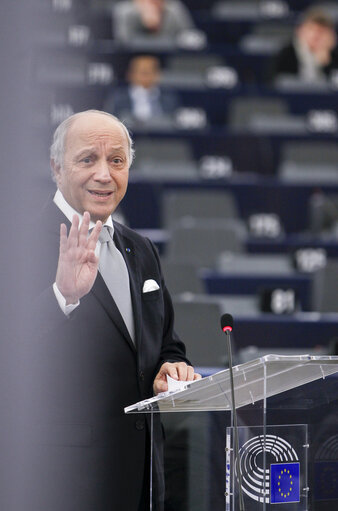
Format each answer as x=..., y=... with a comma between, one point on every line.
x=287, y=408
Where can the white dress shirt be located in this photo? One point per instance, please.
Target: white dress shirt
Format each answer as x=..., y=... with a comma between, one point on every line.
x=309, y=69
x=145, y=102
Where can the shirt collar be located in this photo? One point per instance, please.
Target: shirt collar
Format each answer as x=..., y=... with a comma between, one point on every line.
x=69, y=211
x=138, y=90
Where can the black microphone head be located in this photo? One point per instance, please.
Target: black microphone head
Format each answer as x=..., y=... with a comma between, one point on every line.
x=227, y=322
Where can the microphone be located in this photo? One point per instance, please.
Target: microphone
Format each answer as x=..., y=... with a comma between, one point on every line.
x=227, y=324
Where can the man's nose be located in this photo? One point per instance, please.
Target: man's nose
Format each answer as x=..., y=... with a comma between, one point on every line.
x=102, y=172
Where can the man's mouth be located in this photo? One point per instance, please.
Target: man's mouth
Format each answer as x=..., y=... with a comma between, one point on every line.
x=98, y=193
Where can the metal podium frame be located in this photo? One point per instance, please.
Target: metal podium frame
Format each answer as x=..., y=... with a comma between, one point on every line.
x=254, y=382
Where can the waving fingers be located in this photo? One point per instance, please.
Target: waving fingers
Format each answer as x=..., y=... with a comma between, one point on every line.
x=94, y=235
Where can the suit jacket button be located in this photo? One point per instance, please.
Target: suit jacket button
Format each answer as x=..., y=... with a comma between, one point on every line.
x=141, y=375
x=139, y=424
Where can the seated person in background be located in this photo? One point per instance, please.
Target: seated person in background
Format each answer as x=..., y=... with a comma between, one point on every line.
x=149, y=18
x=323, y=210
x=313, y=54
x=142, y=99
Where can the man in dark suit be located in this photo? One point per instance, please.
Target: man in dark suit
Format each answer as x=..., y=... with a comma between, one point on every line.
x=312, y=55
x=142, y=101
x=95, y=349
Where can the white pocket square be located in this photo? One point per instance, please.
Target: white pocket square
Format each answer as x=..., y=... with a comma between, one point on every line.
x=150, y=285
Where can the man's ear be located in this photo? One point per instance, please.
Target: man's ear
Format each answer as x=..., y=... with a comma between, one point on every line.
x=56, y=170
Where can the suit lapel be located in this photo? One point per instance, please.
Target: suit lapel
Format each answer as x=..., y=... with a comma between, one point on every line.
x=102, y=294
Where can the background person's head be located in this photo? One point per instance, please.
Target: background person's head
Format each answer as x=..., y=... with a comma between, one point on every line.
x=144, y=71
x=151, y=12
x=316, y=31
x=90, y=158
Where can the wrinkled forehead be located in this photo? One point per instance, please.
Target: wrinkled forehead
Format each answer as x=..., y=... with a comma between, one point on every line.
x=95, y=130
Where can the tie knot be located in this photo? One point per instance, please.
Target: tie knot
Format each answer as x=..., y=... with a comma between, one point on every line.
x=105, y=236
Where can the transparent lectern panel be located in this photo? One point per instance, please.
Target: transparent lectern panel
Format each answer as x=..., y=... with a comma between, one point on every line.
x=253, y=381
x=273, y=465
x=194, y=461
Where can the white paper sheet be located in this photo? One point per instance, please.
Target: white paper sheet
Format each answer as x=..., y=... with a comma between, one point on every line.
x=174, y=385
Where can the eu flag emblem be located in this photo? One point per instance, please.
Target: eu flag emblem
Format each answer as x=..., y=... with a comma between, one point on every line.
x=284, y=483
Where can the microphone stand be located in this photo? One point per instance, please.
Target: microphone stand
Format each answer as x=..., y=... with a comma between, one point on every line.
x=227, y=331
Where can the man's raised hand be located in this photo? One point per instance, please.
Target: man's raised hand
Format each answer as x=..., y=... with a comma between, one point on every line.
x=78, y=264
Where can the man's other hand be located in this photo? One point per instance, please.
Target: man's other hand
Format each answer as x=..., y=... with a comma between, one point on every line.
x=177, y=370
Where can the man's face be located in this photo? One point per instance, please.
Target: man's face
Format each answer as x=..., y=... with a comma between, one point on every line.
x=144, y=71
x=155, y=4
x=94, y=174
x=316, y=36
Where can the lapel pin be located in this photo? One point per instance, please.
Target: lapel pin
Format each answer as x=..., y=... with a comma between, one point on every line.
x=128, y=250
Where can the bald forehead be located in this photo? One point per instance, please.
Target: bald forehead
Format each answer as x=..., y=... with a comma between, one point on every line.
x=96, y=124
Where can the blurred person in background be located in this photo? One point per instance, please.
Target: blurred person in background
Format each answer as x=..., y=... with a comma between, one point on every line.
x=312, y=54
x=142, y=99
x=149, y=18
x=323, y=213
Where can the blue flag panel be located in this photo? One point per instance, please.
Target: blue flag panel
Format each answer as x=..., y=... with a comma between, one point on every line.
x=284, y=483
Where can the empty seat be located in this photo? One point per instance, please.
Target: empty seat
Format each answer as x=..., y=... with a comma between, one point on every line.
x=197, y=320
x=317, y=174
x=198, y=324
x=164, y=158
x=290, y=83
x=182, y=277
x=248, y=9
x=201, y=242
x=161, y=122
x=244, y=111
x=267, y=38
x=189, y=70
x=313, y=161
x=313, y=151
x=244, y=264
x=149, y=151
x=327, y=287
x=193, y=63
x=198, y=204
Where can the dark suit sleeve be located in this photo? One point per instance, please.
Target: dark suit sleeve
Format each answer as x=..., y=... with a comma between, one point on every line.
x=333, y=64
x=47, y=315
x=285, y=62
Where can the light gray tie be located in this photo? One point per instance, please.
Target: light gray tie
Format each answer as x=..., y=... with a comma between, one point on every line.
x=115, y=274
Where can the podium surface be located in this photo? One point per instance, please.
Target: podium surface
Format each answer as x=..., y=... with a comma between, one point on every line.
x=253, y=381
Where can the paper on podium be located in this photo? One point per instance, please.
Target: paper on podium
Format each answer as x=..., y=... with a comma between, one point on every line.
x=174, y=385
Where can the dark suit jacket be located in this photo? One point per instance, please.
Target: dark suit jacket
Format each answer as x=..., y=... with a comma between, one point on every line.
x=287, y=62
x=85, y=453
x=119, y=103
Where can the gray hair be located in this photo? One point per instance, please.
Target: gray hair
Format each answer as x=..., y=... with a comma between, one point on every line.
x=57, y=149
